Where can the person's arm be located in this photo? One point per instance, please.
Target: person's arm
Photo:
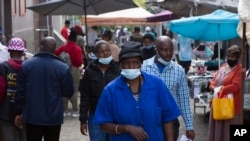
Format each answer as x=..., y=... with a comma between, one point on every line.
x=84, y=102
x=168, y=130
x=184, y=104
x=135, y=131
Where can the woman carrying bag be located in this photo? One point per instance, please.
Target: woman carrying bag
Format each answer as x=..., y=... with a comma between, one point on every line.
x=228, y=77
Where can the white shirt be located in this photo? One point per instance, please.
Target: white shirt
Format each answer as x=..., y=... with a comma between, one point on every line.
x=4, y=54
x=92, y=36
x=185, y=52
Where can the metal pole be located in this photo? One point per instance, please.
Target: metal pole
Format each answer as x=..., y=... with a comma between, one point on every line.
x=85, y=17
x=2, y=24
x=243, y=72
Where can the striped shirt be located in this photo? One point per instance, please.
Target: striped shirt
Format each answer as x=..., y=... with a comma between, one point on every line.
x=175, y=79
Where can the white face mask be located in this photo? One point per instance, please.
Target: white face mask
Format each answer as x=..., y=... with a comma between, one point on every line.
x=105, y=61
x=165, y=63
x=162, y=61
x=131, y=73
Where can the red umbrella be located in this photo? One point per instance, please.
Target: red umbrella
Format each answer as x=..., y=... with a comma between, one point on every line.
x=162, y=16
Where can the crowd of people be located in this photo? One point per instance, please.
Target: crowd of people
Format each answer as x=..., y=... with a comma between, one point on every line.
x=134, y=90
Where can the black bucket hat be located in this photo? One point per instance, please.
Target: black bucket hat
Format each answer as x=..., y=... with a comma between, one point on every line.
x=130, y=49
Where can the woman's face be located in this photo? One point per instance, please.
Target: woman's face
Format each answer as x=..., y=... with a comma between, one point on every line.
x=231, y=56
x=232, y=59
x=103, y=51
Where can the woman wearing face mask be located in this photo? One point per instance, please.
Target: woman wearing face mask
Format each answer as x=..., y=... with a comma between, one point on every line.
x=229, y=78
x=136, y=105
x=97, y=74
x=148, y=50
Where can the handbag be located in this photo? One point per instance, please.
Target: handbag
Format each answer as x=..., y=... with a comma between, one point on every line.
x=223, y=107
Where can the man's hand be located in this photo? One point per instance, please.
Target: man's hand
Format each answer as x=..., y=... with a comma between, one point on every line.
x=18, y=121
x=84, y=129
x=190, y=134
x=137, y=132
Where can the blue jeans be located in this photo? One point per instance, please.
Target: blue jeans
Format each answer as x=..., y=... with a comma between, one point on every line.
x=95, y=132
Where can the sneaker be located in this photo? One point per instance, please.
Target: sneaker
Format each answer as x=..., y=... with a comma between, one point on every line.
x=66, y=114
x=75, y=114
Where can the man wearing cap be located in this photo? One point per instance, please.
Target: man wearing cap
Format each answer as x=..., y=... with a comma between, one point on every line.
x=8, y=74
x=41, y=83
x=131, y=108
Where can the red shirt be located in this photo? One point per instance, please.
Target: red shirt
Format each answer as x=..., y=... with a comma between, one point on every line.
x=65, y=32
x=74, y=51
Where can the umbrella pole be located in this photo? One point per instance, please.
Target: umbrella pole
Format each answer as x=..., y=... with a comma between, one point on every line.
x=219, y=47
x=243, y=72
x=86, y=28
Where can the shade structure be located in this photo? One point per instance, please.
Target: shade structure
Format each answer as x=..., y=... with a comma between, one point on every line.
x=218, y=26
x=162, y=16
x=80, y=7
x=131, y=16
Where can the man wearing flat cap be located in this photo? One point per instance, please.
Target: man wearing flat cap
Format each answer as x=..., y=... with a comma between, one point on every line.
x=131, y=108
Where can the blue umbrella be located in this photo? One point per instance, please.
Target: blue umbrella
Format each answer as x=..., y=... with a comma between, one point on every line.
x=217, y=26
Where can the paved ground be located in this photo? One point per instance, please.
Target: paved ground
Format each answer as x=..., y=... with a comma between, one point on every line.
x=71, y=128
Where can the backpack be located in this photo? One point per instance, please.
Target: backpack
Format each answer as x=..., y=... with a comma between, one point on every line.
x=65, y=56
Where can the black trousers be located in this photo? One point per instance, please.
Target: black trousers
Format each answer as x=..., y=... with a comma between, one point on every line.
x=38, y=132
x=185, y=65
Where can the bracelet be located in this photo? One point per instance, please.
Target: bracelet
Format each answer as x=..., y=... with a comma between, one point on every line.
x=116, y=129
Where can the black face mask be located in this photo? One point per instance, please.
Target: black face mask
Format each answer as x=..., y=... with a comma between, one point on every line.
x=232, y=63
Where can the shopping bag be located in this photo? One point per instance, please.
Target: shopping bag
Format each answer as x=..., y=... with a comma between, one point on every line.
x=223, y=107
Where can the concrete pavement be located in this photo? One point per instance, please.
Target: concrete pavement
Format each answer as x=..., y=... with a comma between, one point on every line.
x=71, y=128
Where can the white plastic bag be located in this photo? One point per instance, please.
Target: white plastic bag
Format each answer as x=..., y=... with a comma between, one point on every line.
x=184, y=138
x=216, y=91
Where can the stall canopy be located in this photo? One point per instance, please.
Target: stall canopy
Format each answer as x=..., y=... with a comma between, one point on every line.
x=132, y=16
x=162, y=16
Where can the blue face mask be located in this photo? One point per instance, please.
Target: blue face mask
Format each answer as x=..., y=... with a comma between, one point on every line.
x=105, y=61
x=131, y=73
